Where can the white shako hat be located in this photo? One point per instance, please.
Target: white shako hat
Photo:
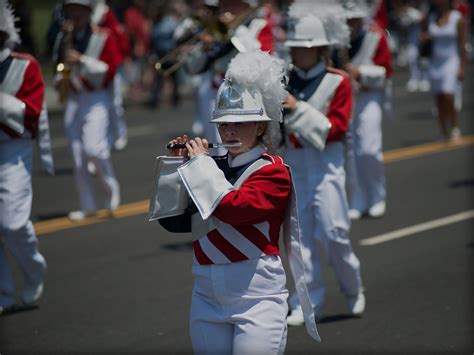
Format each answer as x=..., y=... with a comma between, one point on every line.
x=317, y=23
x=356, y=8
x=88, y=3
x=7, y=24
x=252, y=90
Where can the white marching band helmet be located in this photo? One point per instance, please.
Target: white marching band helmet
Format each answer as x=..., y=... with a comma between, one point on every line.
x=7, y=24
x=317, y=23
x=252, y=90
x=356, y=8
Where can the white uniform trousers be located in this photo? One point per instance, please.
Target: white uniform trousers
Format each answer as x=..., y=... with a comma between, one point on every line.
x=365, y=167
x=117, y=126
x=86, y=120
x=17, y=234
x=319, y=179
x=239, y=308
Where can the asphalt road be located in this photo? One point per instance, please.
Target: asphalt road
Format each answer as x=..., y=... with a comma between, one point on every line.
x=124, y=285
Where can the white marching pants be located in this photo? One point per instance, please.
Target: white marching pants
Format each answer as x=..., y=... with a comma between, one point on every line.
x=365, y=167
x=86, y=120
x=319, y=179
x=117, y=124
x=16, y=230
x=239, y=308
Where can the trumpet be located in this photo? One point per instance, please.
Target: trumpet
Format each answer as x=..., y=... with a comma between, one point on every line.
x=64, y=68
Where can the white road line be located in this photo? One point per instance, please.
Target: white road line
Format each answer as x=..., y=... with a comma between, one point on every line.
x=405, y=232
x=136, y=131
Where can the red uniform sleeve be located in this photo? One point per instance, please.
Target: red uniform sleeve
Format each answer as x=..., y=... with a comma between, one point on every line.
x=265, y=37
x=110, y=22
x=383, y=57
x=110, y=55
x=339, y=111
x=31, y=93
x=266, y=192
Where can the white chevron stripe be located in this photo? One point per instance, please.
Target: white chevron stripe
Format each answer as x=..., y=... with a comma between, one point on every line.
x=264, y=227
x=239, y=241
x=212, y=252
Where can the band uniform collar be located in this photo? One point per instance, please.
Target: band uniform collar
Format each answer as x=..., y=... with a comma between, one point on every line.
x=247, y=157
x=4, y=54
x=313, y=72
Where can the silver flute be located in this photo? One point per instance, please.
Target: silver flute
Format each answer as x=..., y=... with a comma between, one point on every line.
x=211, y=145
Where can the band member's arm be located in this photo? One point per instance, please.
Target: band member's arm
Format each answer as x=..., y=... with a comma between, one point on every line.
x=22, y=111
x=339, y=111
x=374, y=76
x=97, y=73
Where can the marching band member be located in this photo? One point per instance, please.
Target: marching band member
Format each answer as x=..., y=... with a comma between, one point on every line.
x=212, y=55
x=103, y=16
x=370, y=68
x=23, y=117
x=319, y=109
x=239, y=299
x=94, y=57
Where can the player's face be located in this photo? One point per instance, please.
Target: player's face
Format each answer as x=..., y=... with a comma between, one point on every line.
x=246, y=133
x=305, y=58
x=78, y=14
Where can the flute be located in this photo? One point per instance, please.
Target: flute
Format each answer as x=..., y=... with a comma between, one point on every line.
x=211, y=145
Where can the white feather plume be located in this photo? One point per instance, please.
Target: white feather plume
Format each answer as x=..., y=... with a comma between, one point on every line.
x=260, y=70
x=330, y=12
x=7, y=23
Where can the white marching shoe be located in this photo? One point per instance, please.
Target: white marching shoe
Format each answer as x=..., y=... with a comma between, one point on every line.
x=377, y=210
x=120, y=143
x=424, y=86
x=412, y=85
x=114, y=201
x=354, y=214
x=356, y=304
x=296, y=317
x=32, y=293
x=77, y=216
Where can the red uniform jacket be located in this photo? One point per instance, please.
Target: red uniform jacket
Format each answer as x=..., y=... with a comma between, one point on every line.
x=30, y=92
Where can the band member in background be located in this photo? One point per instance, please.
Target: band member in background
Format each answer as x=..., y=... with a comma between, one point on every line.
x=248, y=31
x=103, y=16
x=23, y=117
x=93, y=56
x=239, y=299
x=318, y=112
x=370, y=69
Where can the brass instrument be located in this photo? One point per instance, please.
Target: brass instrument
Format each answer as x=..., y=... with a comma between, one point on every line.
x=64, y=68
x=217, y=28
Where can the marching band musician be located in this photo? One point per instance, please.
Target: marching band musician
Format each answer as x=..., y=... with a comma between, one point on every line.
x=318, y=112
x=212, y=55
x=23, y=117
x=239, y=299
x=370, y=68
x=103, y=16
x=94, y=58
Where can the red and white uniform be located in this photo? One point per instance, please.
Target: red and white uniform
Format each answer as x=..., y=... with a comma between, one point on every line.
x=324, y=106
x=104, y=17
x=21, y=96
x=366, y=177
x=87, y=113
x=239, y=300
